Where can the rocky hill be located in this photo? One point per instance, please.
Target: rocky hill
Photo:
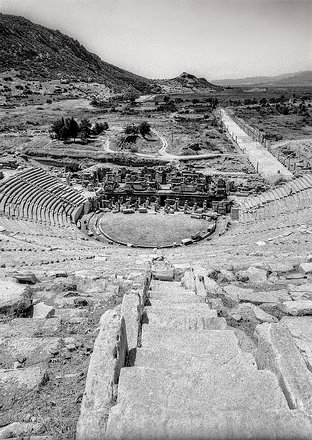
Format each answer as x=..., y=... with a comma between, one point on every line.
x=37, y=52
x=186, y=82
x=297, y=79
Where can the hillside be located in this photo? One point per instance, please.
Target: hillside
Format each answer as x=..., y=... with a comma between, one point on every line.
x=41, y=53
x=298, y=79
x=186, y=83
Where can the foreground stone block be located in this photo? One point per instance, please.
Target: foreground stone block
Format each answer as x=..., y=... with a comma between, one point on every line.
x=278, y=352
x=302, y=307
x=301, y=330
x=303, y=292
x=29, y=351
x=14, y=297
x=17, y=429
x=29, y=378
x=21, y=327
x=132, y=423
x=108, y=357
x=305, y=268
x=131, y=311
x=26, y=278
x=42, y=311
x=256, y=275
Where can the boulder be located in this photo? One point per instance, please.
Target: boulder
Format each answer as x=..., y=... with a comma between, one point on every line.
x=25, y=278
x=250, y=312
x=188, y=280
x=29, y=378
x=42, y=310
x=302, y=292
x=14, y=298
x=281, y=268
x=271, y=296
x=302, y=307
x=17, y=429
x=256, y=276
x=305, y=268
x=236, y=292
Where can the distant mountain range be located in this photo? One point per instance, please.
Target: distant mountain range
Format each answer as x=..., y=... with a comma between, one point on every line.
x=37, y=52
x=298, y=79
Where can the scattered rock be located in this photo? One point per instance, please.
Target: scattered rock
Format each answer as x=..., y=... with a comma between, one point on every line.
x=26, y=378
x=302, y=292
x=18, y=429
x=25, y=278
x=281, y=267
x=301, y=330
x=14, y=298
x=305, y=268
x=296, y=308
x=256, y=275
x=41, y=310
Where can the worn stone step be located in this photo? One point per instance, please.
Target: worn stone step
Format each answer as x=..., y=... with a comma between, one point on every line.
x=186, y=321
x=165, y=288
x=176, y=299
x=180, y=307
x=166, y=358
x=225, y=388
x=131, y=423
x=218, y=346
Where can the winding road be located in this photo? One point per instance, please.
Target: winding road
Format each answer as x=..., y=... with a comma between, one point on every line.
x=162, y=152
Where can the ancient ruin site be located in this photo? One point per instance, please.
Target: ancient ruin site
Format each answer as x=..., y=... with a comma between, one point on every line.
x=155, y=234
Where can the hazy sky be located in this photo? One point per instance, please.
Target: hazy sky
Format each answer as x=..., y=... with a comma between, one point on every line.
x=162, y=38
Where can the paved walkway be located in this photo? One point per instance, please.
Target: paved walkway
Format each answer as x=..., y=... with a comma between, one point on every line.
x=263, y=161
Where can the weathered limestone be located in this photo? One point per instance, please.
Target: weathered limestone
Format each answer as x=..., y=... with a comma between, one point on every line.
x=301, y=307
x=302, y=292
x=185, y=319
x=108, y=357
x=42, y=311
x=25, y=278
x=301, y=330
x=132, y=424
x=277, y=352
x=256, y=275
x=131, y=311
x=305, y=268
x=164, y=275
x=257, y=297
x=20, y=327
x=26, y=378
x=281, y=268
x=188, y=280
x=20, y=430
x=14, y=297
x=29, y=351
x=200, y=390
x=251, y=313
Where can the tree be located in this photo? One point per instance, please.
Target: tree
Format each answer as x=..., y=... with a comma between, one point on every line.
x=131, y=129
x=85, y=129
x=99, y=127
x=144, y=128
x=73, y=128
x=57, y=126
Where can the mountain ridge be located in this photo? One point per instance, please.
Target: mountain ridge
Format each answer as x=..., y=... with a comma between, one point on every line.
x=38, y=52
x=295, y=79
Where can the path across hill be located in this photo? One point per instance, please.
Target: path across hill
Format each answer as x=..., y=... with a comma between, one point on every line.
x=263, y=161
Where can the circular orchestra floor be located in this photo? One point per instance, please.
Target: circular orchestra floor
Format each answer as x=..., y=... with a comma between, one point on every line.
x=150, y=229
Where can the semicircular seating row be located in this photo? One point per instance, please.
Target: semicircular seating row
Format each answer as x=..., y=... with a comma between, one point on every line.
x=38, y=196
x=292, y=195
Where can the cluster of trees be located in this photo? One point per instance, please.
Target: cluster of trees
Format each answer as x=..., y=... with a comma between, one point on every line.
x=66, y=128
x=143, y=128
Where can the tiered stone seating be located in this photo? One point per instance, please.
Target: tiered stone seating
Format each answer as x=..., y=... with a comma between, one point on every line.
x=296, y=194
x=37, y=196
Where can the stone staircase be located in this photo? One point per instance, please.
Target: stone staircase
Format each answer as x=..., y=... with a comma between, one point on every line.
x=191, y=379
